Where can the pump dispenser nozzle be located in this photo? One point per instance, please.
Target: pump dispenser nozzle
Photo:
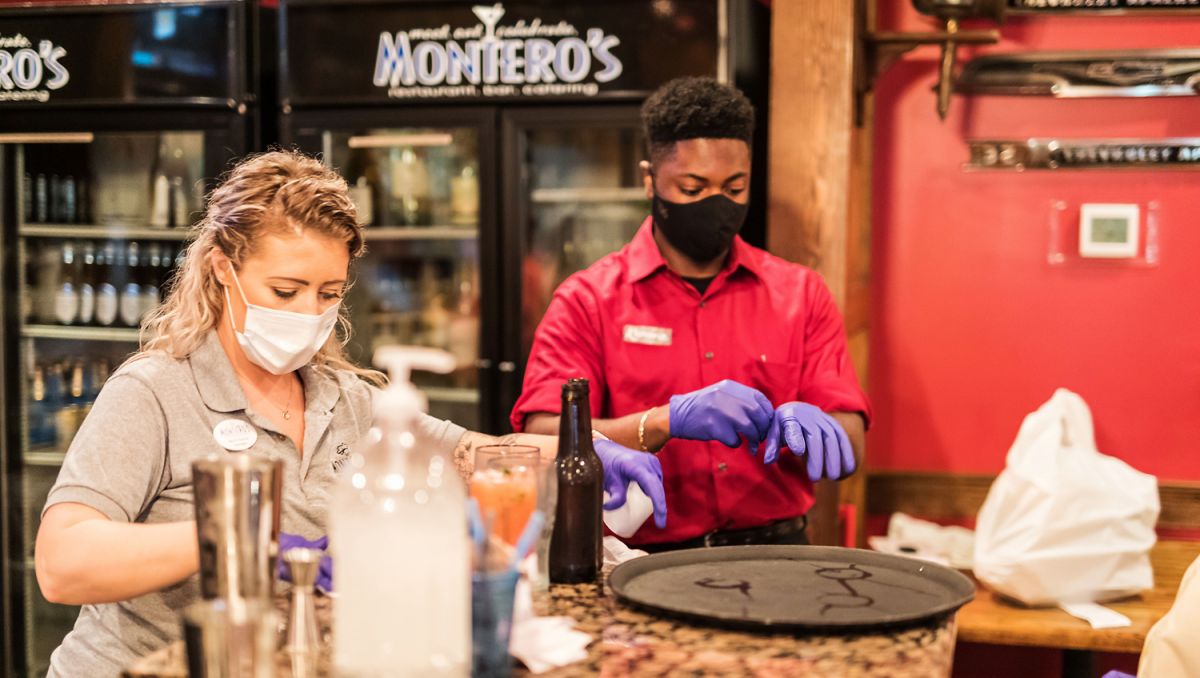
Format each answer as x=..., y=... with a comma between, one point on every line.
x=400, y=400
x=400, y=361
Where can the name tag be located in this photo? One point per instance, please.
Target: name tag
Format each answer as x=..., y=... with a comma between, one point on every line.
x=649, y=336
x=235, y=435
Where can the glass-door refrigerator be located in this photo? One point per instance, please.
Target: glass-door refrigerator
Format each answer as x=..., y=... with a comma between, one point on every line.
x=575, y=194
x=423, y=183
x=493, y=150
x=113, y=124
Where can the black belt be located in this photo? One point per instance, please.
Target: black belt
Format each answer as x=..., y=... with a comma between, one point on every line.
x=766, y=534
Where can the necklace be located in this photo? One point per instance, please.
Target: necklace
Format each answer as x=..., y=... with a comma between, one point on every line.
x=287, y=404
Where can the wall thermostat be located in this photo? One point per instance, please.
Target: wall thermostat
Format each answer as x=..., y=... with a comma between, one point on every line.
x=1108, y=231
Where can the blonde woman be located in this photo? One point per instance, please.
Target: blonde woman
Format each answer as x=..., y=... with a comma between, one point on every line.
x=249, y=331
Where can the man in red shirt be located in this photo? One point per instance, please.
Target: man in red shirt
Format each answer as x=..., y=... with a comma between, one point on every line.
x=703, y=349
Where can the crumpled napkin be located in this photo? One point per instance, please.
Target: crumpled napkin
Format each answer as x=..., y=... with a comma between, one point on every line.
x=616, y=552
x=543, y=643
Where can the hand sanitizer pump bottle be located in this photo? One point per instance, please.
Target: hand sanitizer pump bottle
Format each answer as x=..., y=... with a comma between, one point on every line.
x=398, y=533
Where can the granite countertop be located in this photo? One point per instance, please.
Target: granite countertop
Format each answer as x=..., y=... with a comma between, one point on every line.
x=629, y=642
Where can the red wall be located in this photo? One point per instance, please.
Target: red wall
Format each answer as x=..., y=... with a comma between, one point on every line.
x=971, y=328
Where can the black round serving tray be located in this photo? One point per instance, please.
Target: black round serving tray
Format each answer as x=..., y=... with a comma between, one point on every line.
x=791, y=588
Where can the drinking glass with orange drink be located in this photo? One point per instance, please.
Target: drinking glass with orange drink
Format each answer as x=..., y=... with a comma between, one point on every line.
x=505, y=485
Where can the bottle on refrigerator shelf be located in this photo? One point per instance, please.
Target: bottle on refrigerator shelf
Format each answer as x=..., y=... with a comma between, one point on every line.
x=150, y=268
x=66, y=299
x=462, y=335
x=27, y=198
x=360, y=195
x=67, y=206
x=87, y=286
x=131, y=294
x=410, y=187
x=53, y=402
x=160, y=202
x=67, y=418
x=32, y=256
x=47, y=262
x=163, y=274
x=436, y=321
x=464, y=197
x=88, y=389
x=107, y=299
x=55, y=205
x=41, y=199
x=40, y=432
x=180, y=210
x=83, y=205
x=575, y=543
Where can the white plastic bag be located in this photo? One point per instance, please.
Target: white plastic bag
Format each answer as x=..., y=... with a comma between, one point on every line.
x=1064, y=523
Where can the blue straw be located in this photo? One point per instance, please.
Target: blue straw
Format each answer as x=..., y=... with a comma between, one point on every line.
x=533, y=529
x=475, y=526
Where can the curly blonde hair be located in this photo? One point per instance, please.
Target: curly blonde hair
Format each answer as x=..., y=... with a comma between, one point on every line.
x=277, y=191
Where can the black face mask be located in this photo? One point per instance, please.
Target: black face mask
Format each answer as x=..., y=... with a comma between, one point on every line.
x=701, y=230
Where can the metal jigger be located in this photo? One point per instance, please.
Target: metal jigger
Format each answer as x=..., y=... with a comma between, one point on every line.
x=302, y=634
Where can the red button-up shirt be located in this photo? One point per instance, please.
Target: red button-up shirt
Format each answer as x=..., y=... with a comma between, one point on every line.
x=641, y=334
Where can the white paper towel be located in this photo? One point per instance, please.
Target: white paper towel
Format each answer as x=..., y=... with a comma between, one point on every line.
x=625, y=520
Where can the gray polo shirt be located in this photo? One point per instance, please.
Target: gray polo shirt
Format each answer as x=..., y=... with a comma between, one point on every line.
x=131, y=460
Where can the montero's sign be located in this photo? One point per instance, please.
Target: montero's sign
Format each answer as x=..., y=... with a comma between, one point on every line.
x=29, y=73
x=493, y=59
x=373, y=51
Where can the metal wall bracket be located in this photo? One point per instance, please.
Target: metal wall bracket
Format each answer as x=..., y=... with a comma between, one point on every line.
x=880, y=50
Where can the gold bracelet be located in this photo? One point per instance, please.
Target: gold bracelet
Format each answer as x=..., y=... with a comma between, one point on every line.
x=642, y=429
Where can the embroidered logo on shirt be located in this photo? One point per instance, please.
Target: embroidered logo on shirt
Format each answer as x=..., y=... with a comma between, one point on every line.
x=343, y=456
x=647, y=335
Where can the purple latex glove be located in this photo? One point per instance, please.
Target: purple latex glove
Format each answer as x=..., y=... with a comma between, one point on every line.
x=287, y=542
x=725, y=411
x=1118, y=674
x=805, y=429
x=622, y=465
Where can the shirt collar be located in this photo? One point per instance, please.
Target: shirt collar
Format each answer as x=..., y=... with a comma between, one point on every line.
x=645, y=259
x=215, y=379
x=221, y=392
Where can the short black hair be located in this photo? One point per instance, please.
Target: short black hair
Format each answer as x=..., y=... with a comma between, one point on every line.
x=695, y=108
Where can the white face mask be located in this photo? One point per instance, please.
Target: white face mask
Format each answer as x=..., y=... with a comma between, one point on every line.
x=281, y=341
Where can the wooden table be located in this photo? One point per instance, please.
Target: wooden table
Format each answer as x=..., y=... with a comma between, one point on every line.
x=993, y=620
x=628, y=642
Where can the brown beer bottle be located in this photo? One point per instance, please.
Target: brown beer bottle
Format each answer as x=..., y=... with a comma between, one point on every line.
x=575, y=543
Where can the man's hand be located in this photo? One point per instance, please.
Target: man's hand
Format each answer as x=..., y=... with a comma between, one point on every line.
x=725, y=411
x=806, y=430
x=622, y=465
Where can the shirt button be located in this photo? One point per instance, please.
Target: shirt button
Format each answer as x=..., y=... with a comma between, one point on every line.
x=722, y=466
x=708, y=356
x=702, y=304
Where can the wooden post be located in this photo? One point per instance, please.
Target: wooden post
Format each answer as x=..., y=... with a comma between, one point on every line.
x=819, y=210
